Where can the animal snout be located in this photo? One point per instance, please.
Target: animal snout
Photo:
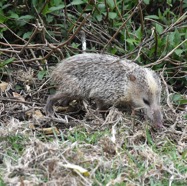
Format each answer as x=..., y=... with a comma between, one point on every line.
x=157, y=118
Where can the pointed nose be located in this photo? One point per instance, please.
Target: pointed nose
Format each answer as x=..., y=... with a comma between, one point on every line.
x=157, y=118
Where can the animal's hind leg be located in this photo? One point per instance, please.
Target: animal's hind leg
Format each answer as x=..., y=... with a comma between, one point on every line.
x=53, y=99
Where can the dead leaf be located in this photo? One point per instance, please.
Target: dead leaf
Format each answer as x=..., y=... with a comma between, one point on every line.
x=31, y=126
x=28, y=88
x=18, y=96
x=77, y=168
x=37, y=114
x=49, y=130
x=3, y=86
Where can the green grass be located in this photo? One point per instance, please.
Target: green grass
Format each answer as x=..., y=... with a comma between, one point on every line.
x=81, y=135
x=2, y=183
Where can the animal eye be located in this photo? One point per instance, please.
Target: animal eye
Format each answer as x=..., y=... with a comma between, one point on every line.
x=146, y=101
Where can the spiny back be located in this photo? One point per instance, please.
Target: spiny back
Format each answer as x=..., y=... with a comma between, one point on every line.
x=98, y=75
x=93, y=65
x=108, y=80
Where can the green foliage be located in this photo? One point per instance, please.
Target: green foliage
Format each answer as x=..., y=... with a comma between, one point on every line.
x=104, y=178
x=41, y=74
x=154, y=30
x=17, y=143
x=83, y=136
x=149, y=138
x=18, y=87
x=2, y=183
x=179, y=99
x=6, y=62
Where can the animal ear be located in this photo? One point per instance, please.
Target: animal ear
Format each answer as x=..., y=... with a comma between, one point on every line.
x=132, y=77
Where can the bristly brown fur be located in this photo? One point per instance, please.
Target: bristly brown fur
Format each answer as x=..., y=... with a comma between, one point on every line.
x=109, y=81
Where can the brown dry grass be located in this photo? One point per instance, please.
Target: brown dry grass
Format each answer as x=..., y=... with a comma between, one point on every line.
x=120, y=150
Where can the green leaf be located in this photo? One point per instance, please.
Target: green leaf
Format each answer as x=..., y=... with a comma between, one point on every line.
x=178, y=52
x=26, y=17
x=18, y=87
x=45, y=10
x=179, y=99
x=113, y=51
x=77, y=2
x=41, y=74
x=1, y=31
x=75, y=45
x=183, y=102
x=160, y=14
x=34, y=3
x=139, y=33
x=27, y=35
x=99, y=17
x=131, y=41
x=171, y=38
x=146, y=2
x=57, y=2
x=159, y=28
x=6, y=62
x=6, y=6
x=23, y=20
x=111, y=4
x=101, y=6
x=169, y=3
x=176, y=97
x=52, y=9
x=49, y=18
x=112, y=15
x=152, y=17
x=14, y=15
x=3, y=18
x=177, y=38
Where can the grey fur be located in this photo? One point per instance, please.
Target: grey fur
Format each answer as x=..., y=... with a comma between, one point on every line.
x=109, y=81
